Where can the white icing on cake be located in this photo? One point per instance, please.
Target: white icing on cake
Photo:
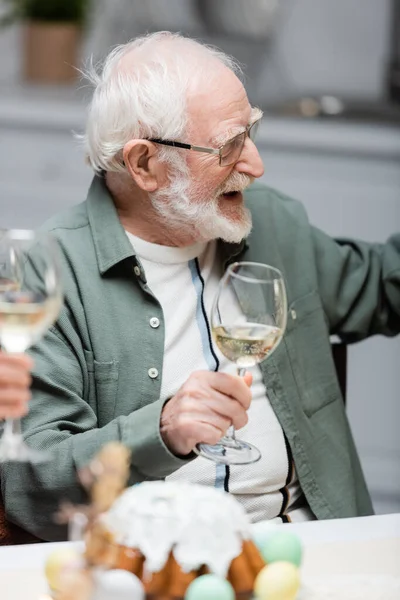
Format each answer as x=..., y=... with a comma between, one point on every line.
x=199, y=524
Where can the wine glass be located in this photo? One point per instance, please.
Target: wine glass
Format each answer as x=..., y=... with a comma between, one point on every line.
x=30, y=301
x=248, y=320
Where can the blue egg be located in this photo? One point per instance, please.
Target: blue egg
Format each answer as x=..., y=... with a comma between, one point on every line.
x=210, y=587
x=261, y=532
x=282, y=546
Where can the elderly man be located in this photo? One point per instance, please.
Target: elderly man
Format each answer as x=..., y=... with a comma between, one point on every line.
x=170, y=137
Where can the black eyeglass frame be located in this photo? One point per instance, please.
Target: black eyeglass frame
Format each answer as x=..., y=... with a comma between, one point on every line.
x=250, y=132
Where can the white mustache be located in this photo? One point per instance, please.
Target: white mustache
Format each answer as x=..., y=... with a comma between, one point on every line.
x=237, y=182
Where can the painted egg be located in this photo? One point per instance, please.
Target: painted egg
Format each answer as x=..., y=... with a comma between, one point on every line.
x=58, y=561
x=261, y=532
x=117, y=584
x=210, y=587
x=278, y=581
x=282, y=545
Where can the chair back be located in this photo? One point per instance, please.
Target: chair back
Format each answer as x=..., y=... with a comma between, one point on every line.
x=11, y=534
x=339, y=352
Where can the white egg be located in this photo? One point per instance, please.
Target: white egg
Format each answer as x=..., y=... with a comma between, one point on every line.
x=117, y=585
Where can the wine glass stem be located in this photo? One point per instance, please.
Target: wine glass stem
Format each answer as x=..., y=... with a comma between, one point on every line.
x=231, y=433
x=12, y=428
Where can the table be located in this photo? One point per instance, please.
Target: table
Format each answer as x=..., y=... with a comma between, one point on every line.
x=364, y=545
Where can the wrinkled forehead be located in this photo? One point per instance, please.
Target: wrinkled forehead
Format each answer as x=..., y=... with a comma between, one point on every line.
x=216, y=103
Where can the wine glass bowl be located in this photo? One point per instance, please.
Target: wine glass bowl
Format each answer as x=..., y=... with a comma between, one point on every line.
x=30, y=300
x=248, y=320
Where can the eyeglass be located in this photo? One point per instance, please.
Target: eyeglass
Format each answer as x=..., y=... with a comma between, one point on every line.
x=229, y=152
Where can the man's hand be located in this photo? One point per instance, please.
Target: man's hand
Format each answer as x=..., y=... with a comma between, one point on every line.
x=203, y=409
x=15, y=380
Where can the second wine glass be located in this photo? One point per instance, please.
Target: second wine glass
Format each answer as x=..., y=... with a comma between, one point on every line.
x=30, y=301
x=248, y=320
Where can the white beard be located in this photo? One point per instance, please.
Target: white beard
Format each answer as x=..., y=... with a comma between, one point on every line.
x=179, y=205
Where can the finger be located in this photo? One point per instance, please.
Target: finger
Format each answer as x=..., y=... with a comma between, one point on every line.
x=14, y=397
x=191, y=414
x=248, y=378
x=210, y=417
x=13, y=412
x=205, y=432
x=231, y=385
x=199, y=388
x=17, y=360
x=14, y=377
x=224, y=406
x=208, y=434
x=184, y=430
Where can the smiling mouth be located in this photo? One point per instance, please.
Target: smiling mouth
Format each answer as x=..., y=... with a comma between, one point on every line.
x=231, y=194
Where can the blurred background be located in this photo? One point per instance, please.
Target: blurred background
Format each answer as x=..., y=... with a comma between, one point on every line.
x=326, y=73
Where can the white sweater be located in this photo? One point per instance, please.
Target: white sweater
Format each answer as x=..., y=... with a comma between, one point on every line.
x=185, y=280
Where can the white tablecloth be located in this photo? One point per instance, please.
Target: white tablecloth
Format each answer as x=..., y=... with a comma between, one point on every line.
x=361, y=546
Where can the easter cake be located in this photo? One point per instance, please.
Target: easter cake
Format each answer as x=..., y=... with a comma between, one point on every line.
x=169, y=533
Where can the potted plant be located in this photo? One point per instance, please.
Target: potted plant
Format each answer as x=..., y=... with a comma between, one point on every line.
x=51, y=37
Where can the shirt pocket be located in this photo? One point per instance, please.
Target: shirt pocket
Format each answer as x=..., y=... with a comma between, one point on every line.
x=307, y=341
x=103, y=387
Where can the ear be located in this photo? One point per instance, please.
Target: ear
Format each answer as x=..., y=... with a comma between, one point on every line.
x=140, y=158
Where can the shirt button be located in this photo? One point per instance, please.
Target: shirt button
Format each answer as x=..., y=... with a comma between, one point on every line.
x=154, y=322
x=293, y=314
x=136, y=270
x=152, y=373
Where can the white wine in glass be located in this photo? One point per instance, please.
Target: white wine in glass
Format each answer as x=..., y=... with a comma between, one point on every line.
x=247, y=345
x=248, y=320
x=30, y=301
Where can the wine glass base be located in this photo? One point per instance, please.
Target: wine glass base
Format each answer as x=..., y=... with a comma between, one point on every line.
x=15, y=450
x=229, y=452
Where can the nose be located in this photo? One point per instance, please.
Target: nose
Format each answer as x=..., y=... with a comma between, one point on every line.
x=250, y=161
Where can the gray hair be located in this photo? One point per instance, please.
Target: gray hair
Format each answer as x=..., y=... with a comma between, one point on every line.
x=140, y=92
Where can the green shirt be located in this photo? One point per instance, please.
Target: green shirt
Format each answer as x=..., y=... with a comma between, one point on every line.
x=93, y=381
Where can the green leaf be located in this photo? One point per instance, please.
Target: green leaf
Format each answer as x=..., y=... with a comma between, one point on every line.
x=67, y=11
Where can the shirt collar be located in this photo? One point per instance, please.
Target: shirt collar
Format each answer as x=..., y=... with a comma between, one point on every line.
x=110, y=240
